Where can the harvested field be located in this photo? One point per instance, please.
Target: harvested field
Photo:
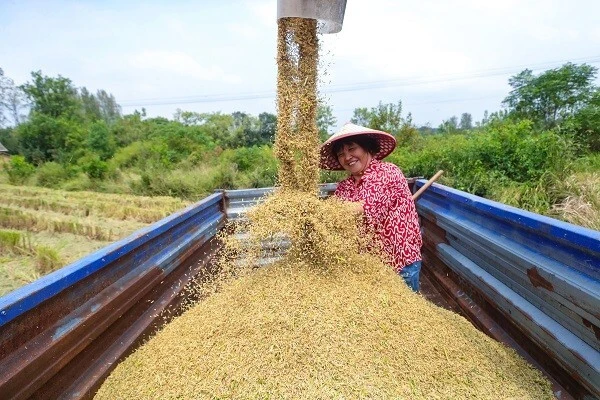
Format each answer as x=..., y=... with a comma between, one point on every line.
x=55, y=228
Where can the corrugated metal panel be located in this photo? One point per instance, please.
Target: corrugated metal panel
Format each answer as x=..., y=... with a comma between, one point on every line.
x=100, y=305
x=543, y=275
x=237, y=202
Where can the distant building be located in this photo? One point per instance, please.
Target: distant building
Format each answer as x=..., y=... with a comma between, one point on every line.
x=3, y=151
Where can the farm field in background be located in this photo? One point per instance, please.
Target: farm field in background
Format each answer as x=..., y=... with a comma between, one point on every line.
x=43, y=229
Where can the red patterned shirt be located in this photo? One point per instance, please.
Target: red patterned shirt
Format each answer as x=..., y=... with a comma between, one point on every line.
x=389, y=210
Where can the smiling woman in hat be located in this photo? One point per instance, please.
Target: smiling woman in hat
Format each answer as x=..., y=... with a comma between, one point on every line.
x=380, y=192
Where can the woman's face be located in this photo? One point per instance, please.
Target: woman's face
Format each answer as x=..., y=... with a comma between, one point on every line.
x=354, y=158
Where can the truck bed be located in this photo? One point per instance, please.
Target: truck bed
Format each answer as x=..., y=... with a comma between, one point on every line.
x=526, y=280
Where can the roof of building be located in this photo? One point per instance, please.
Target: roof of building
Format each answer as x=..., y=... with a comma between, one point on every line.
x=3, y=149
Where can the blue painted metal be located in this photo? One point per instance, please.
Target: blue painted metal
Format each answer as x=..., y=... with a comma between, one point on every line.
x=237, y=202
x=46, y=325
x=62, y=335
x=541, y=273
x=29, y=296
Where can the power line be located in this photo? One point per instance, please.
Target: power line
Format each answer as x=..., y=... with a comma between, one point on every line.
x=356, y=86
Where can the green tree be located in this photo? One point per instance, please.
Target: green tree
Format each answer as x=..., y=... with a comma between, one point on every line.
x=100, y=141
x=466, y=122
x=188, y=118
x=267, y=127
x=53, y=97
x=449, y=125
x=384, y=117
x=325, y=121
x=110, y=110
x=91, y=106
x=551, y=96
x=218, y=127
x=9, y=139
x=18, y=170
x=44, y=138
x=585, y=124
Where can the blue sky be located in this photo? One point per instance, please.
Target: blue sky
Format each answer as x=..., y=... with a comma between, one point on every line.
x=439, y=58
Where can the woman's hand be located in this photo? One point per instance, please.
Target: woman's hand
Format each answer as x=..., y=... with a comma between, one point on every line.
x=357, y=207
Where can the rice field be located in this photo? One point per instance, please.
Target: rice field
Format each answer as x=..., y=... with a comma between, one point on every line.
x=43, y=229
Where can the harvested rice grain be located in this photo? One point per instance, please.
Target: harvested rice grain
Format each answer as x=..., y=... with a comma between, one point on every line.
x=297, y=138
x=284, y=332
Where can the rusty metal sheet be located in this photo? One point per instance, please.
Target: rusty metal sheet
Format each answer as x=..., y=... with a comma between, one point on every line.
x=542, y=274
x=563, y=292
x=49, y=323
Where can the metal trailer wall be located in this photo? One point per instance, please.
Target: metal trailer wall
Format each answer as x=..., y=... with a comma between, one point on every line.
x=61, y=335
x=539, y=278
x=507, y=270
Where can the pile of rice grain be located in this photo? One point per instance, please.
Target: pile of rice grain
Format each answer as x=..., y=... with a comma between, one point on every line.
x=286, y=332
x=329, y=320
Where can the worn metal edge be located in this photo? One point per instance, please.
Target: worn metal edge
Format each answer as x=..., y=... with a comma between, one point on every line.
x=581, y=359
x=27, y=297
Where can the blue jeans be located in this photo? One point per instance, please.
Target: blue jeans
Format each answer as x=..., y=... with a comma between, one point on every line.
x=410, y=274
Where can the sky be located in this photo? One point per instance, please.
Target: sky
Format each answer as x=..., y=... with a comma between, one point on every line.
x=439, y=58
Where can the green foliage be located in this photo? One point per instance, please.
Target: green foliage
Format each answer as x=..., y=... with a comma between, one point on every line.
x=128, y=130
x=503, y=153
x=9, y=240
x=129, y=156
x=584, y=125
x=18, y=170
x=466, y=122
x=589, y=163
x=100, y=141
x=384, y=117
x=91, y=106
x=9, y=140
x=45, y=138
x=93, y=166
x=110, y=111
x=249, y=158
x=449, y=126
x=552, y=96
x=325, y=121
x=186, y=184
x=52, y=174
x=267, y=123
x=52, y=97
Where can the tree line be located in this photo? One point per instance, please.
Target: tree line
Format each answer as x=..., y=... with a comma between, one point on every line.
x=68, y=137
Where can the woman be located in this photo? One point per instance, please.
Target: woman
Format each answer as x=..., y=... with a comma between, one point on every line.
x=380, y=191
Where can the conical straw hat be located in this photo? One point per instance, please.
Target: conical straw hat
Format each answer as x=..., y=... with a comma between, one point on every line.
x=387, y=143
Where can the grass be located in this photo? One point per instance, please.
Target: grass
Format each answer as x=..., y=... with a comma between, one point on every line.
x=574, y=198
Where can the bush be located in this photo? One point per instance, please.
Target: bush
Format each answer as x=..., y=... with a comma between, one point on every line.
x=129, y=156
x=100, y=140
x=18, y=170
x=502, y=153
x=93, y=166
x=51, y=174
